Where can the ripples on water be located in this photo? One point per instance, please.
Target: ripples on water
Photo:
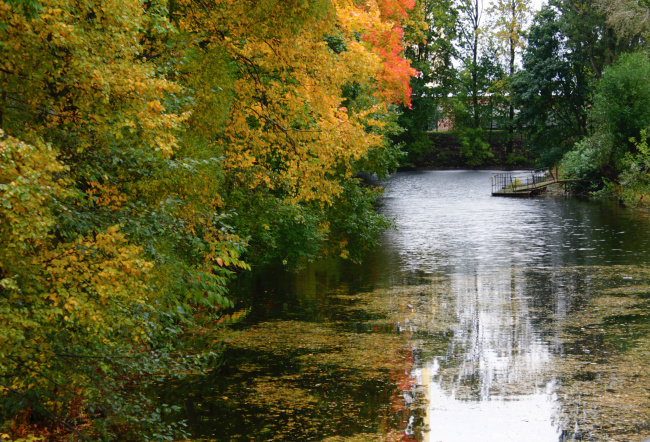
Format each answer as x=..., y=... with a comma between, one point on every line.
x=479, y=319
x=449, y=222
x=502, y=257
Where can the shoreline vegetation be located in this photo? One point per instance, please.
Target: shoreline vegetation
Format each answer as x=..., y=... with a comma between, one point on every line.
x=444, y=152
x=153, y=151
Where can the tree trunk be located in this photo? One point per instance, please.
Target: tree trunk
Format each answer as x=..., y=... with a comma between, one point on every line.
x=511, y=116
x=475, y=85
x=476, y=24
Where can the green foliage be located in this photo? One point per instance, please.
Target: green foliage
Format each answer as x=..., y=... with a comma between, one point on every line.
x=622, y=102
x=382, y=159
x=30, y=8
x=336, y=43
x=417, y=147
x=589, y=158
x=630, y=18
x=473, y=146
x=355, y=224
x=516, y=160
x=479, y=100
x=620, y=115
x=634, y=180
x=552, y=90
x=289, y=234
x=589, y=38
x=570, y=46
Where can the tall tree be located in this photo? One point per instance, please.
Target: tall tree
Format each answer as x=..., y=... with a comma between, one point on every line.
x=552, y=91
x=585, y=26
x=508, y=23
x=431, y=54
x=630, y=18
x=471, y=13
x=473, y=105
x=570, y=45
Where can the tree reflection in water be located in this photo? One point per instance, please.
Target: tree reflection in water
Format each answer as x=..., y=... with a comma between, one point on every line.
x=478, y=319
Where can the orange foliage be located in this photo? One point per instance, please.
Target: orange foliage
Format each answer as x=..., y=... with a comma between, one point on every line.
x=287, y=129
x=382, y=29
x=397, y=71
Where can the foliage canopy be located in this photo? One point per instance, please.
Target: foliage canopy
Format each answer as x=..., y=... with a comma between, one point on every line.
x=149, y=151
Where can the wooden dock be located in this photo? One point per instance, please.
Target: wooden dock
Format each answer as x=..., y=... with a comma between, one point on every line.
x=528, y=183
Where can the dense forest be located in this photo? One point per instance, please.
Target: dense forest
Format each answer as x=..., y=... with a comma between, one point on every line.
x=151, y=151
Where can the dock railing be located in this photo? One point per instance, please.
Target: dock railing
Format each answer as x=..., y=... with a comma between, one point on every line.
x=515, y=182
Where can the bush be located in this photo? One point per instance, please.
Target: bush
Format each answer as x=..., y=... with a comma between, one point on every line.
x=587, y=160
x=634, y=180
x=473, y=146
x=622, y=104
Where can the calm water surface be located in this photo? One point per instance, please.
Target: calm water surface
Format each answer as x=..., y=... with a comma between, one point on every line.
x=503, y=258
x=479, y=319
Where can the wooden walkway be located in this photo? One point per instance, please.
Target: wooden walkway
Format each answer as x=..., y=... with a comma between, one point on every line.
x=522, y=183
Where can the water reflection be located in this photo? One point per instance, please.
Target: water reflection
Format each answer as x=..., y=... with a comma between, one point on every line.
x=500, y=367
x=495, y=367
x=480, y=318
x=497, y=419
x=449, y=222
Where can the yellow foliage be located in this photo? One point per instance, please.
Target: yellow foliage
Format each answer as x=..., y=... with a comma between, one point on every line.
x=92, y=284
x=101, y=146
x=288, y=99
x=27, y=183
x=99, y=87
x=108, y=196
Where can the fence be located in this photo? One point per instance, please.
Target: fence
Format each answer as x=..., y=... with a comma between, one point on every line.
x=514, y=182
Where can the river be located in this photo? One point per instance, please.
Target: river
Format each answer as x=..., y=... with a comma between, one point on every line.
x=479, y=318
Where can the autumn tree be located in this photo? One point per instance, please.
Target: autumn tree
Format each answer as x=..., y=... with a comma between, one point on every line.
x=84, y=126
x=145, y=148
x=308, y=110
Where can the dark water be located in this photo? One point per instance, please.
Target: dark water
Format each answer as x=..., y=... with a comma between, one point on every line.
x=479, y=318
